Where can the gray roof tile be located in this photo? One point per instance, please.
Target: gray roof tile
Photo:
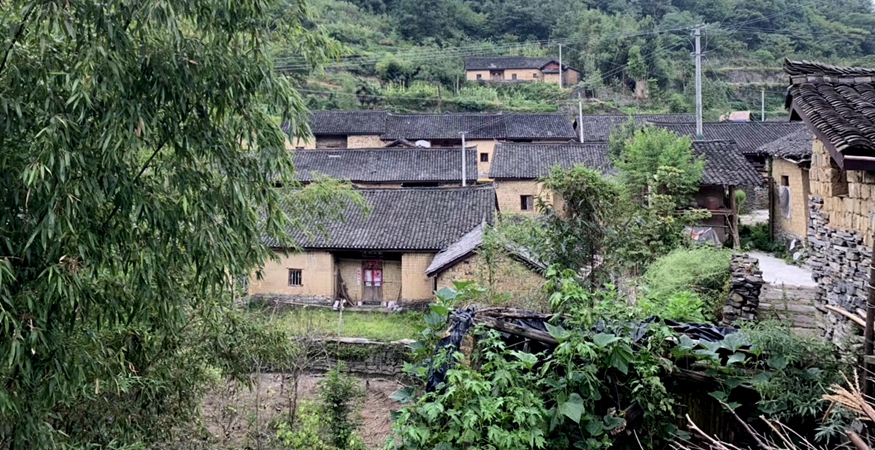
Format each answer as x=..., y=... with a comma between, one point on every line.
x=387, y=164
x=344, y=123
x=839, y=102
x=796, y=146
x=749, y=136
x=531, y=161
x=725, y=165
x=478, y=126
x=414, y=219
x=505, y=62
x=597, y=128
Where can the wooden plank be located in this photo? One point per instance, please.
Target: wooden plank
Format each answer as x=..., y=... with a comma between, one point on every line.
x=507, y=327
x=854, y=318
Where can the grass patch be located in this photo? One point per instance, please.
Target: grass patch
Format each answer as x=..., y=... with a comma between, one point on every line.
x=369, y=325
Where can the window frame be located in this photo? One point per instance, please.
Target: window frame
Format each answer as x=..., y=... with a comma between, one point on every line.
x=785, y=180
x=295, y=273
x=527, y=202
x=484, y=157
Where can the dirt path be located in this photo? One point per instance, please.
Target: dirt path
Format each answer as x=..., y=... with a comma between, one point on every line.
x=788, y=294
x=237, y=416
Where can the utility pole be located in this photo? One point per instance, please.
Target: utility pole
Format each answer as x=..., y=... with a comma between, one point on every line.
x=580, y=116
x=560, y=65
x=464, y=162
x=698, y=35
x=763, y=103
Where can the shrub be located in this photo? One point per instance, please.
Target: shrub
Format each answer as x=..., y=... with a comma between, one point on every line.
x=757, y=237
x=740, y=197
x=339, y=401
x=701, y=270
x=684, y=306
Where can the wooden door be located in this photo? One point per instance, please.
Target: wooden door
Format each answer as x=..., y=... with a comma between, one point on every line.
x=372, y=292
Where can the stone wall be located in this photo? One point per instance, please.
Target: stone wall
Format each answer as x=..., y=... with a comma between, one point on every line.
x=839, y=263
x=840, y=231
x=363, y=356
x=744, y=289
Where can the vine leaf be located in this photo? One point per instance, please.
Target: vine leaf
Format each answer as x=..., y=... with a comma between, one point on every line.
x=735, y=358
x=403, y=396
x=558, y=333
x=603, y=340
x=573, y=407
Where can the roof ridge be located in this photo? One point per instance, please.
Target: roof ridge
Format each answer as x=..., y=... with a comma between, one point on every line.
x=484, y=187
x=379, y=149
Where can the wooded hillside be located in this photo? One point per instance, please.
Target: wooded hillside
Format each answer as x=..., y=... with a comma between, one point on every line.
x=408, y=55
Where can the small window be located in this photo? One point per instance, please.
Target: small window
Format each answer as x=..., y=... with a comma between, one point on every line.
x=484, y=157
x=527, y=203
x=785, y=180
x=479, y=76
x=295, y=277
x=299, y=148
x=513, y=77
x=535, y=76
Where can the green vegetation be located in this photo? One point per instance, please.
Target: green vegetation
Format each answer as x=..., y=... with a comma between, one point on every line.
x=578, y=394
x=615, y=44
x=129, y=209
x=330, y=424
x=368, y=325
x=687, y=275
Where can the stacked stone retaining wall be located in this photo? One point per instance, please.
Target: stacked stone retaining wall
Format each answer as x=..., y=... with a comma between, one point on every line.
x=839, y=263
x=744, y=289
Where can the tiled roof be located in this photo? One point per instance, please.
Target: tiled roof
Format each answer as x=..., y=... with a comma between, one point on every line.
x=795, y=146
x=414, y=219
x=468, y=244
x=456, y=251
x=387, y=164
x=478, y=126
x=341, y=123
x=838, y=103
x=531, y=161
x=725, y=165
x=749, y=136
x=597, y=128
x=505, y=62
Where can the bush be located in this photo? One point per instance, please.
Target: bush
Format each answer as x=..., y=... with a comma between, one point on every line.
x=684, y=306
x=339, y=401
x=757, y=237
x=740, y=197
x=703, y=271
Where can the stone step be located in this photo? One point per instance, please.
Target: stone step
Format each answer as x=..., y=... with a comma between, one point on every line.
x=790, y=307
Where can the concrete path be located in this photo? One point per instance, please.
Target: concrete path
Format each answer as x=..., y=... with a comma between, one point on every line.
x=777, y=272
x=754, y=217
x=788, y=295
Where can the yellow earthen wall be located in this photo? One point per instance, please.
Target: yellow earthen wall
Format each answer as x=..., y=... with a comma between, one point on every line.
x=317, y=275
x=364, y=141
x=852, y=211
x=797, y=224
x=508, y=193
x=298, y=142
x=483, y=146
x=471, y=75
x=416, y=286
x=508, y=276
x=523, y=74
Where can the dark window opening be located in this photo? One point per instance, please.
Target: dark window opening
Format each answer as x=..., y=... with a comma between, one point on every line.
x=479, y=76
x=484, y=157
x=535, y=76
x=785, y=180
x=513, y=76
x=527, y=203
x=295, y=277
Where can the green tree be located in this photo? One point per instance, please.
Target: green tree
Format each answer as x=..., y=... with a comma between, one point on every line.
x=140, y=149
x=651, y=155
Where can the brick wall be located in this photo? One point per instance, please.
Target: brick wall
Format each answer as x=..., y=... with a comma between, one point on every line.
x=317, y=276
x=471, y=75
x=415, y=285
x=796, y=226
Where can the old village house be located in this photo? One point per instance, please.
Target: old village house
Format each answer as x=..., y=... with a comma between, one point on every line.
x=519, y=69
x=836, y=104
x=388, y=254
